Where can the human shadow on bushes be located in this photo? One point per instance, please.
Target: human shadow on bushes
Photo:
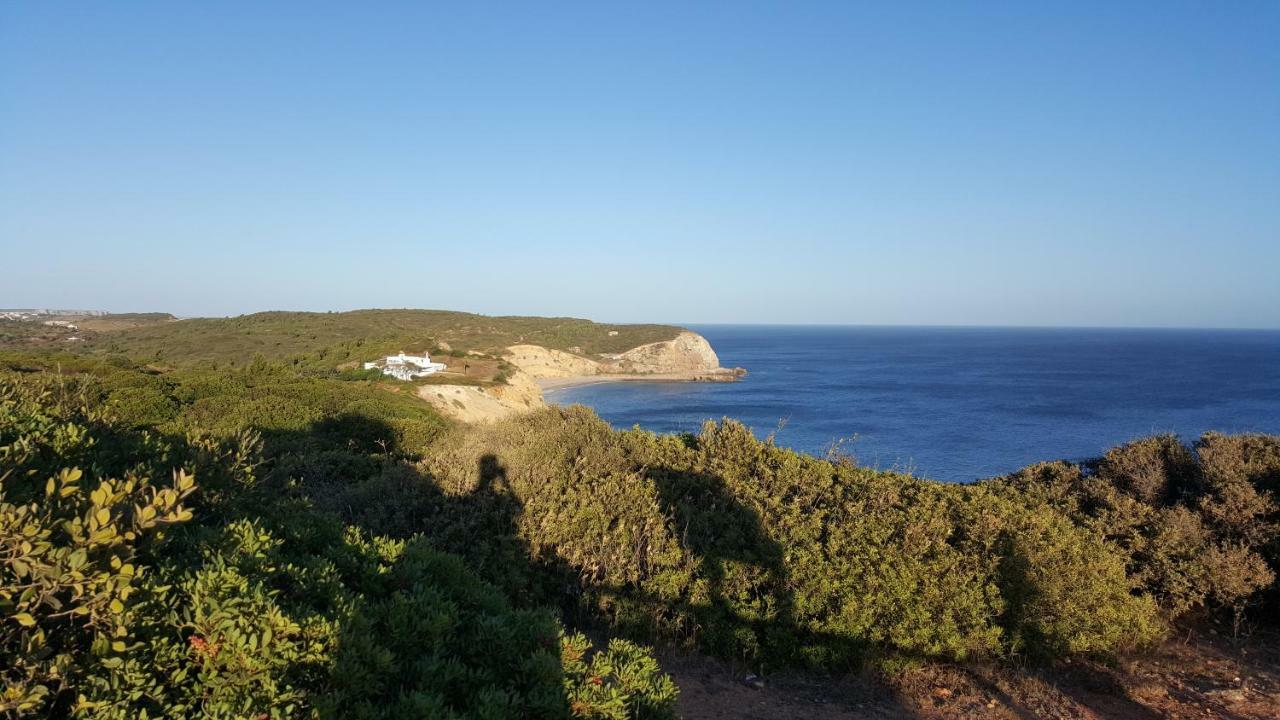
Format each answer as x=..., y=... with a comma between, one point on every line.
x=748, y=611
x=441, y=623
x=354, y=467
x=353, y=433
x=738, y=596
x=746, y=608
x=737, y=601
x=739, y=605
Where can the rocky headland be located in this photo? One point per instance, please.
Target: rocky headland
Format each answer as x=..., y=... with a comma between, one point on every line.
x=687, y=357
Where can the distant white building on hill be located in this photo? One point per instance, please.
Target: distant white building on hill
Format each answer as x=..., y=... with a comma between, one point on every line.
x=406, y=367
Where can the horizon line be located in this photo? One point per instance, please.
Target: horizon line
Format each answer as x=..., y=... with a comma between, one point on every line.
x=921, y=325
x=982, y=326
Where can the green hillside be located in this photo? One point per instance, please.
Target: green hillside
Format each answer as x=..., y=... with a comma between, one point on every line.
x=34, y=333
x=343, y=552
x=123, y=321
x=332, y=339
x=268, y=540
x=16, y=334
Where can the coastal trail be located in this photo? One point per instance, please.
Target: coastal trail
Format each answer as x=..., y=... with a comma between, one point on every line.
x=1195, y=674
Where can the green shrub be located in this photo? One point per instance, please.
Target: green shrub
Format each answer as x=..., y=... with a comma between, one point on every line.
x=1065, y=588
x=622, y=681
x=753, y=551
x=1197, y=526
x=70, y=542
x=1240, y=476
x=311, y=621
x=1154, y=470
x=258, y=606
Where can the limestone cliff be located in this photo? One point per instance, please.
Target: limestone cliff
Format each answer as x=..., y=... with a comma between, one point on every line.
x=687, y=352
x=539, y=362
x=686, y=357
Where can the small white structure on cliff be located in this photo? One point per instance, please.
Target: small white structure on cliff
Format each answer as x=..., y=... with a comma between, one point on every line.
x=406, y=367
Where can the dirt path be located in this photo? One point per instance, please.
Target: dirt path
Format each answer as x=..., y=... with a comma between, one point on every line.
x=1197, y=675
x=715, y=690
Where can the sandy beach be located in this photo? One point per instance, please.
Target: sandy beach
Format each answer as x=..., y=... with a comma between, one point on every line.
x=560, y=383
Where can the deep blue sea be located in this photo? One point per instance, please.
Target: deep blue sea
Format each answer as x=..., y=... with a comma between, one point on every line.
x=964, y=403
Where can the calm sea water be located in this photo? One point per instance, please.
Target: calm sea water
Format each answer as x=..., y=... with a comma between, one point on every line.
x=963, y=403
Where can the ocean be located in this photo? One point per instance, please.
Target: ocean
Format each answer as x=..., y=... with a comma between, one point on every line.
x=958, y=404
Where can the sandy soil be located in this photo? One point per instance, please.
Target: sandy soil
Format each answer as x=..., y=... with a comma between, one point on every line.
x=548, y=384
x=1196, y=675
x=472, y=404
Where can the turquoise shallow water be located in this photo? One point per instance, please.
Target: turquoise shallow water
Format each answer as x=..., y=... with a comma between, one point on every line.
x=964, y=403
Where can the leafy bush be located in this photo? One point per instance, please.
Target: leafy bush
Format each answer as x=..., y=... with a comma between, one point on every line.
x=310, y=620
x=258, y=605
x=753, y=551
x=1065, y=589
x=1197, y=525
x=70, y=542
x=1154, y=470
x=279, y=401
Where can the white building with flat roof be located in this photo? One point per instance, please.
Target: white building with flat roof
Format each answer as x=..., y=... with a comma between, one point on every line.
x=406, y=367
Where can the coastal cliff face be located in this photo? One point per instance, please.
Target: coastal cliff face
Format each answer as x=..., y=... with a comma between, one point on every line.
x=539, y=362
x=688, y=356
x=687, y=353
x=475, y=404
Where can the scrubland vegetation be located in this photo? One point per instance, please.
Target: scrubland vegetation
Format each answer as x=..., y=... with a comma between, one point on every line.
x=15, y=334
x=122, y=321
x=277, y=541
x=754, y=551
x=325, y=340
x=154, y=574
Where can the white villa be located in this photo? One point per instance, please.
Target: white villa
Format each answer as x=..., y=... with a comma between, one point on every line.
x=406, y=367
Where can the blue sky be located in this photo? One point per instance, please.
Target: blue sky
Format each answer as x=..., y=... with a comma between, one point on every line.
x=905, y=163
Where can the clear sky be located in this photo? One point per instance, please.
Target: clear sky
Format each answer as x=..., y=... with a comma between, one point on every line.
x=1108, y=163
